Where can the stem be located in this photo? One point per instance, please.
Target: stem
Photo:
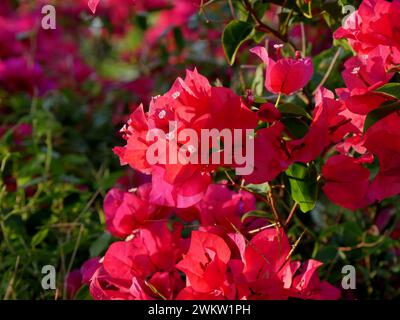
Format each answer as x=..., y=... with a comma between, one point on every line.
x=328, y=72
x=278, y=100
x=303, y=40
x=275, y=212
x=231, y=7
x=294, y=208
x=292, y=250
x=270, y=202
x=265, y=28
x=262, y=228
x=309, y=14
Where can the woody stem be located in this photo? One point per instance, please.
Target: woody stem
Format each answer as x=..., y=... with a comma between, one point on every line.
x=261, y=26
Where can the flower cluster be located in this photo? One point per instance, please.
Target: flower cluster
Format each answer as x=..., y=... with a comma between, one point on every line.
x=370, y=31
x=191, y=103
x=189, y=234
x=220, y=260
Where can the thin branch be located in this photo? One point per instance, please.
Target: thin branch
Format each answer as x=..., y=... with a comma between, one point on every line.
x=275, y=212
x=262, y=228
x=232, y=8
x=328, y=72
x=294, y=208
x=10, y=289
x=292, y=250
x=362, y=245
x=265, y=28
x=303, y=39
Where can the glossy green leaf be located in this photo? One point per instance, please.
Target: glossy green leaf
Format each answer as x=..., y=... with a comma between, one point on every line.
x=235, y=33
x=255, y=213
x=100, y=244
x=378, y=114
x=303, y=185
x=258, y=188
x=296, y=127
x=293, y=109
x=390, y=89
x=258, y=82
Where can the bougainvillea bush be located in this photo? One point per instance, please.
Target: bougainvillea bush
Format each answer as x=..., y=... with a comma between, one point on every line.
x=108, y=177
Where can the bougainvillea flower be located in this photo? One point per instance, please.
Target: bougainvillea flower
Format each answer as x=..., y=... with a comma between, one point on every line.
x=308, y=285
x=181, y=193
x=150, y=250
x=88, y=269
x=190, y=104
x=79, y=277
x=362, y=75
x=73, y=282
x=131, y=269
x=269, y=113
x=270, y=157
x=161, y=286
x=346, y=182
x=374, y=23
x=105, y=287
x=261, y=269
x=383, y=140
x=17, y=74
x=223, y=207
x=11, y=46
x=127, y=211
x=177, y=14
x=93, y=5
x=206, y=262
x=355, y=142
x=328, y=125
x=271, y=274
x=285, y=75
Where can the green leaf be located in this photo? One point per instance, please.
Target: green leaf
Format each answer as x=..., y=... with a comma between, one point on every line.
x=390, y=89
x=83, y=294
x=396, y=68
x=258, y=83
x=235, y=33
x=260, y=7
x=327, y=253
x=100, y=244
x=259, y=99
x=141, y=20
x=179, y=39
x=380, y=113
x=296, y=127
x=258, y=36
x=258, y=188
x=39, y=237
x=303, y=185
x=255, y=213
x=293, y=109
